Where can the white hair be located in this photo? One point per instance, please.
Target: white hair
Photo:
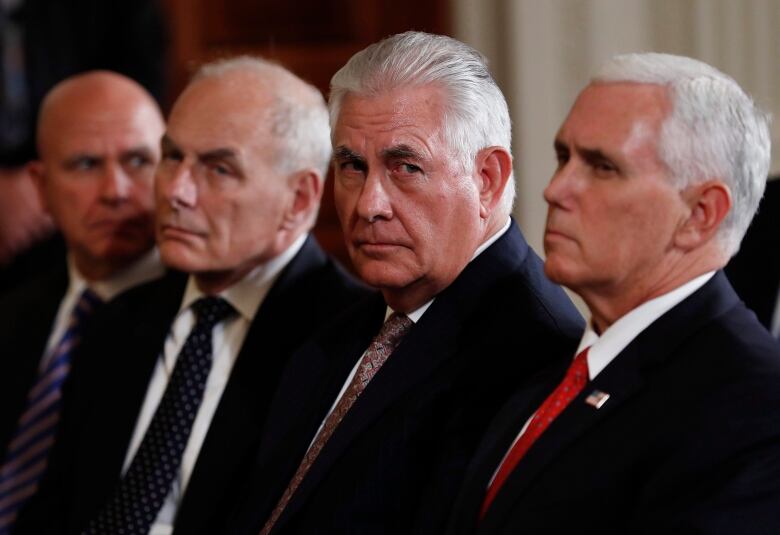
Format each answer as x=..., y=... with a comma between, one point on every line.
x=298, y=115
x=475, y=113
x=714, y=131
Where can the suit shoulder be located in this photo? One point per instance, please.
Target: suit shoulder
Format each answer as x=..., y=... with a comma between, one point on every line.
x=532, y=295
x=331, y=287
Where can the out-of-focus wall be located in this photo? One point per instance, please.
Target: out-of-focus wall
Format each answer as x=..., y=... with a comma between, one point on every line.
x=542, y=52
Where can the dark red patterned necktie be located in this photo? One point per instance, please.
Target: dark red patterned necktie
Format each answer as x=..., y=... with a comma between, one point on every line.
x=381, y=347
x=575, y=380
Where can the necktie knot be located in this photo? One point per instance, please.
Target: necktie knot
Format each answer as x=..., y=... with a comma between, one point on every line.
x=211, y=310
x=88, y=302
x=392, y=332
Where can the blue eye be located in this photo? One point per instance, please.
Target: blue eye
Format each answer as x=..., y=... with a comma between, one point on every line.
x=410, y=168
x=85, y=164
x=138, y=161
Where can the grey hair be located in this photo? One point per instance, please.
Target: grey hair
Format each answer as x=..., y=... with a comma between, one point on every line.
x=476, y=114
x=714, y=131
x=298, y=116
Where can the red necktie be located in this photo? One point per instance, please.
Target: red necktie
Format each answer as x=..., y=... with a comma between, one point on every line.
x=567, y=390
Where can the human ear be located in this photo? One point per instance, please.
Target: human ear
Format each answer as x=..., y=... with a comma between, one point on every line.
x=494, y=167
x=306, y=187
x=37, y=173
x=709, y=203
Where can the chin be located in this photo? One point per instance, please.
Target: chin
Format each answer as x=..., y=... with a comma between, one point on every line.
x=556, y=271
x=179, y=257
x=380, y=275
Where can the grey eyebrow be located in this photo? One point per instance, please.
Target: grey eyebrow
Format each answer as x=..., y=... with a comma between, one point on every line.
x=343, y=153
x=401, y=152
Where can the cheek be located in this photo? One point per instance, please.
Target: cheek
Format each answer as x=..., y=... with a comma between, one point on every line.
x=344, y=202
x=73, y=203
x=144, y=193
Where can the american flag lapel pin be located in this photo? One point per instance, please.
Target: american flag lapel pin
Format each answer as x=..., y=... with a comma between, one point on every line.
x=597, y=399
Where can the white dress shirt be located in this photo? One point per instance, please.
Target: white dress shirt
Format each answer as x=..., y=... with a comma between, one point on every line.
x=604, y=348
x=245, y=296
x=414, y=316
x=146, y=268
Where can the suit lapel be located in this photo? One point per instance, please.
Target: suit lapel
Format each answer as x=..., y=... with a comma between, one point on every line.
x=314, y=377
x=124, y=376
x=242, y=410
x=428, y=346
x=495, y=444
x=622, y=379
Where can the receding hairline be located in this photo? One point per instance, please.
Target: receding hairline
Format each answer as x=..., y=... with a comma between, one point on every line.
x=97, y=87
x=276, y=78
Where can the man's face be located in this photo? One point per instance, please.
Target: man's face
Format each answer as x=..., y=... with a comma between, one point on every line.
x=612, y=210
x=409, y=213
x=96, y=180
x=220, y=199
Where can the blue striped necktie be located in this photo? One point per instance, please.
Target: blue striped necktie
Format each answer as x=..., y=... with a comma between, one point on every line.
x=28, y=452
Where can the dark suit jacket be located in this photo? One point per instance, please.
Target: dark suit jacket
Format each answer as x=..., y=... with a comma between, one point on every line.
x=755, y=269
x=495, y=325
x=36, y=263
x=117, y=366
x=27, y=314
x=688, y=442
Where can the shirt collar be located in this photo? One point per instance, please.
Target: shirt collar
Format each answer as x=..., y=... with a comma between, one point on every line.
x=604, y=348
x=491, y=240
x=144, y=269
x=415, y=315
x=247, y=294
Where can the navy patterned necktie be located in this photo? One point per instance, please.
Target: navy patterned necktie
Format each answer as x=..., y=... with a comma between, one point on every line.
x=28, y=452
x=140, y=494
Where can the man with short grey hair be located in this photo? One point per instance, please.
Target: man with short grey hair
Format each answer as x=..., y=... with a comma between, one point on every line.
x=423, y=190
x=172, y=398
x=668, y=418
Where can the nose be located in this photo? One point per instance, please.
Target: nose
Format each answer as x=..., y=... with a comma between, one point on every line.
x=560, y=187
x=374, y=202
x=115, y=184
x=176, y=184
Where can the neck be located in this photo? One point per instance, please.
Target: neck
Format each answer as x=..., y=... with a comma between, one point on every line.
x=607, y=305
x=214, y=282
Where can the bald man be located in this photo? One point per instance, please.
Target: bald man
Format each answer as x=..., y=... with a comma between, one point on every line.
x=98, y=143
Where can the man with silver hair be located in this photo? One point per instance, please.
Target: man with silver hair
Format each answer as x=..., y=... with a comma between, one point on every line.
x=668, y=418
x=175, y=389
x=423, y=190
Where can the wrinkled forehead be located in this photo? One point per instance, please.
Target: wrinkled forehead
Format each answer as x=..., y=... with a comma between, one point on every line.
x=214, y=112
x=390, y=118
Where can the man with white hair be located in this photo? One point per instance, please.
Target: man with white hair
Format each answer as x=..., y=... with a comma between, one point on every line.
x=424, y=192
x=174, y=390
x=668, y=418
